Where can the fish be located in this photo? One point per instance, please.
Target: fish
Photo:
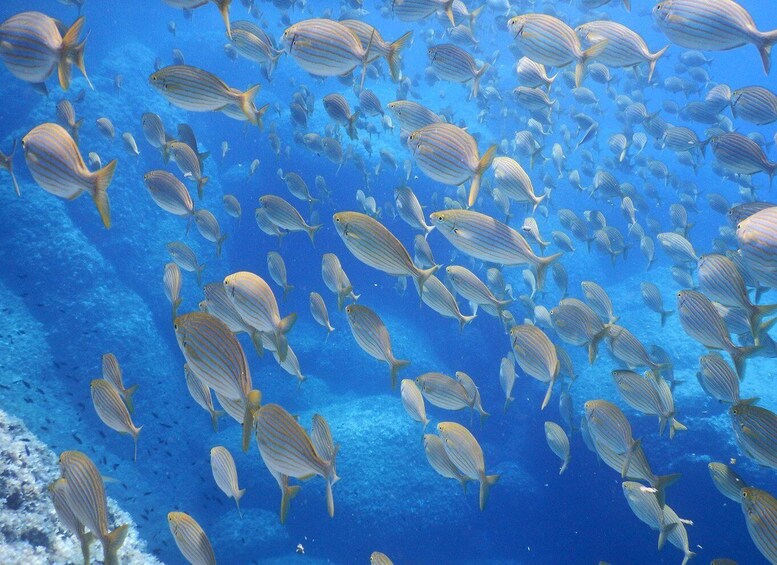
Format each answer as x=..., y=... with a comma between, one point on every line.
x=740, y=154
x=559, y=443
x=251, y=42
x=599, y=301
x=297, y=186
x=515, y=183
x=371, y=38
x=437, y=296
x=755, y=431
x=757, y=239
x=336, y=280
x=373, y=337
x=443, y=391
x=321, y=436
x=647, y=394
x=338, y=109
x=188, y=163
x=112, y=373
x=184, y=257
x=319, y=312
x=440, y=462
x=217, y=358
x=67, y=116
x=190, y=537
x=57, y=166
x=717, y=25
x=32, y=46
x=577, y=324
x=154, y=132
x=413, y=401
x=754, y=104
x=172, y=285
x=106, y=128
x=225, y=474
x=412, y=116
x=760, y=508
x=536, y=355
x=286, y=448
x=549, y=41
x=465, y=453
x=507, y=379
x=232, y=206
x=610, y=428
x=285, y=216
x=277, y=269
x=625, y=347
x=198, y=90
x=416, y=10
x=727, y=481
x=201, y=395
x=112, y=411
x=448, y=154
x=85, y=496
x=487, y=239
x=209, y=228
x=719, y=380
x=702, y=322
x=378, y=558
x=409, y=209
x=170, y=194
x=58, y=492
x=651, y=295
x=452, y=63
x=374, y=245
x=255, y=302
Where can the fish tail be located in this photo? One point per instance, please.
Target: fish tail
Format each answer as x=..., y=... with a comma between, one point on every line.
x=542, y=268
x=662, y=483
x=485, y=485
x=767, y=40
x=588, y=54
x=675, y=427
x=447, y=6
x=71, y=50
x=627, y=5
x=464, y=320
x=135, y=434
x=508, y=400
x=223, y=6
x=214, y=418
x=665, y=531
x=483, y=165
x=112, y=543
x=758, y=328
x=219, y=243
x=422, y=275
x=351, y=129
x=129, y=393
x=688, y=556
x=200, y=268
x=312, y=230
x=259, y=116
x=548, y=393
x=396, y=366
x=654, y=57
x=473, y=15
x=393, y=57
x=101, y=180
x=537, y=202
x=76, y=127
x=739, y=355
x=286, y=289
x=476, y=82
x=246, y=103
x=201, y=182
x=288, y=495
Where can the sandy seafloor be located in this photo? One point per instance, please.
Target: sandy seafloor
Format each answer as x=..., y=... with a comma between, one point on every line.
x=70, y=291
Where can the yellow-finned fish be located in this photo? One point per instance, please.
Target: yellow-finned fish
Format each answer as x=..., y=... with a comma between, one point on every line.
x=371, y=334
x=466, y=454
x=113, y=374
x=225, y=474
x=112, y=410
x=191, y=539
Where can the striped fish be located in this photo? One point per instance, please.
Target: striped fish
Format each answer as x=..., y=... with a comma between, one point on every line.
x=326, y=48
x=378, y=558
x=217, y=358
x=448, y=154
x=197, y=90
x=719, y=380
x=218, y=304
x=487, y=239
x=67, y=117
x=209, y=228
x=638, y=468
x=58, y=492
x=319, y=312
x=190, y=538
x=645, y=504
x=297, y=186
x=549, y=41
x=255, y=302
x=371, y=334
x=379, y=47
x=286, y=448
x=232, y=206
x=370, y=104
x=112, y=411
x=679, y=249
x=375, y=246
x=440, y=462
x=577, y=324
x=85, y=496
x=409, y=209
x=507, y=379
x=714, y=25
x=253, y=46
x=599, y=301
x=443, y=391
x=452, y=63
x=416, y=10
x=113, y=374
x=533, y=74
x=755, y=431
x=412, y=116
x=648, y=395
x=625, y=347
x=188, y=163
x=754, y=104
x=727, y=481
x=702, y=322
x=536, y=355
x=290, y=364
x=31, y=46
x=321, y=436
x=336, y=280
x=105, y=126
x=264, y=223
x=558, y=442
x=201, y=395
x=422, y=253
x=610, y=428
x=760, y=510
x=513, y=181
x=465, y=453
x=222, y=465
x=625, y=47
x=413, y=401
x=154, y=132
x=57, y=166
x=169, y=193
x=757, y=239
x=277, y=269
x=437, y=296
x=286, y=216
x=651, y=295
x=740, y=154
x=337, y=108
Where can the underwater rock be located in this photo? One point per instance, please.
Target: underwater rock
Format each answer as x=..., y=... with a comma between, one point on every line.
x=30, y=531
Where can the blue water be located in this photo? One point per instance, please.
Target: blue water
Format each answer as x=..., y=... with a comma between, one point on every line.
x=71, y=291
